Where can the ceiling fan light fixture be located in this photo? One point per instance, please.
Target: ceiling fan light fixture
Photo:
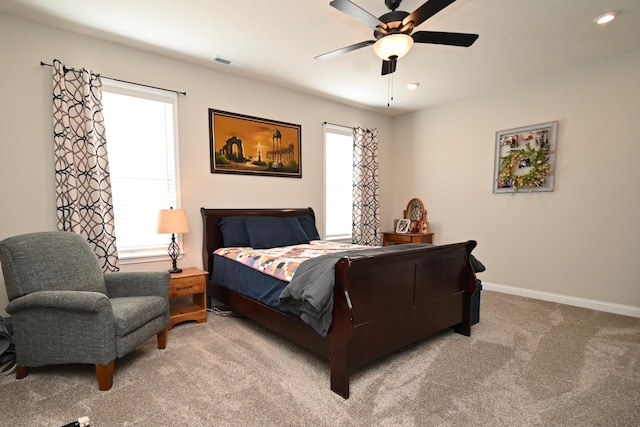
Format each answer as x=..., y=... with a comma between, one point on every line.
x=605, y=17
x=397, y=45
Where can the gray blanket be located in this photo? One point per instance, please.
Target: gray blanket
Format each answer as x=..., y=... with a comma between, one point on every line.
x=310, y=292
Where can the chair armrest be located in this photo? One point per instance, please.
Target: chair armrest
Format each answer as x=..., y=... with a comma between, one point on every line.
x=137, y=283
x=67, y=300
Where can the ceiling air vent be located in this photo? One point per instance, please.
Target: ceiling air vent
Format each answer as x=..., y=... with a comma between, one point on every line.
x=223, y=61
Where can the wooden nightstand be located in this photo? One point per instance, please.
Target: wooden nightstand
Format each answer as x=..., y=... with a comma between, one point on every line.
x=393, y=238
x=188, y=296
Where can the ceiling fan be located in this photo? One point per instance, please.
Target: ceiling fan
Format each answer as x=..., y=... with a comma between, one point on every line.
x=392, y=31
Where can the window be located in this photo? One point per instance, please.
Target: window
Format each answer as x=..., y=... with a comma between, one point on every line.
x=338, y=177
x=141, y=132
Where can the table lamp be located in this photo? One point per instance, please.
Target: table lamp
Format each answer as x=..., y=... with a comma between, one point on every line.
x=173, y=221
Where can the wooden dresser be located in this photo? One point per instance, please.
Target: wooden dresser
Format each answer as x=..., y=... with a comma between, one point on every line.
x=393, y=238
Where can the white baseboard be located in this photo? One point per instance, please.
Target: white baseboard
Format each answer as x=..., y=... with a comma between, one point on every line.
x=626, y=310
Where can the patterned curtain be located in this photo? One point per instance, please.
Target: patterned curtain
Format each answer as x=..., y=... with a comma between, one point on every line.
x=366, y=204
x=83, y=187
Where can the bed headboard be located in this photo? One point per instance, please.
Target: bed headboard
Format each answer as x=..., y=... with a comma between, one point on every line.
x=212, y=236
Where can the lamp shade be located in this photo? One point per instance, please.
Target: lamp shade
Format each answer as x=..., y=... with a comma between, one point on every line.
x=393, y=45
x=172, y=221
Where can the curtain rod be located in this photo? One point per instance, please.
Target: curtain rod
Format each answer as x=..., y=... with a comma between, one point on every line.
x=43, y=64
x=347, y=127
x=335, y=124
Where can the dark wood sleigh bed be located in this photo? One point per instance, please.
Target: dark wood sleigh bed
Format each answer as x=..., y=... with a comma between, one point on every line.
x=381, y=303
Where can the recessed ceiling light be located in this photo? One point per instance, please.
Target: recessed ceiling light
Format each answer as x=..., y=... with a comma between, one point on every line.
x=605, y=17
x=413, y=86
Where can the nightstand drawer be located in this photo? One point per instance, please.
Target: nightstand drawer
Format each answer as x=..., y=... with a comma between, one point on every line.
x=187, y=286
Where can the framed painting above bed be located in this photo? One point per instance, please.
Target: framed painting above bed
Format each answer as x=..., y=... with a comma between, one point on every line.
x=249, y=145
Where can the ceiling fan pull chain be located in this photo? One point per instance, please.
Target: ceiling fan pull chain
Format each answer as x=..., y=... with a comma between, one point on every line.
x=389, y=90
x=391, y=79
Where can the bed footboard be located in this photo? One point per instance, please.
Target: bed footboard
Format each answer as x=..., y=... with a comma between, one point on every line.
x=384, y=303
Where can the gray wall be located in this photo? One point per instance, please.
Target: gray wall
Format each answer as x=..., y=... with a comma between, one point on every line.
x=581, y=241
x=26, y=142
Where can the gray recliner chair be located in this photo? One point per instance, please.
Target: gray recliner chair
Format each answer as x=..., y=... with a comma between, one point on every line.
x=65, y=310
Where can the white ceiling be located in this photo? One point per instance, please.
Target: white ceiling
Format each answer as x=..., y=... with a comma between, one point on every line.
x=276, y=41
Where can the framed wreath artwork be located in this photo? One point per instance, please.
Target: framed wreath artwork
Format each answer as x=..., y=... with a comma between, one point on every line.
x=525, y=158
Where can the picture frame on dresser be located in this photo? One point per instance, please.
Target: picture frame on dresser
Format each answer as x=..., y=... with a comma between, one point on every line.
x=403, y=226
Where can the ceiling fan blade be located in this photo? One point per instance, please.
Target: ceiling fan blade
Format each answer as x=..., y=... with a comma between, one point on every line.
x=344, y=50
x=358, y=13
x=451, y=39
x=389, y=67
x=426, y=11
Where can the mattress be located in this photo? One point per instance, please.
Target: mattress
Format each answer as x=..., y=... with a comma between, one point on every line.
x=247, y=281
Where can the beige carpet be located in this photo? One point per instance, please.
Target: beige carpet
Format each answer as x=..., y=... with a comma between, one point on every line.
x=527, y=363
